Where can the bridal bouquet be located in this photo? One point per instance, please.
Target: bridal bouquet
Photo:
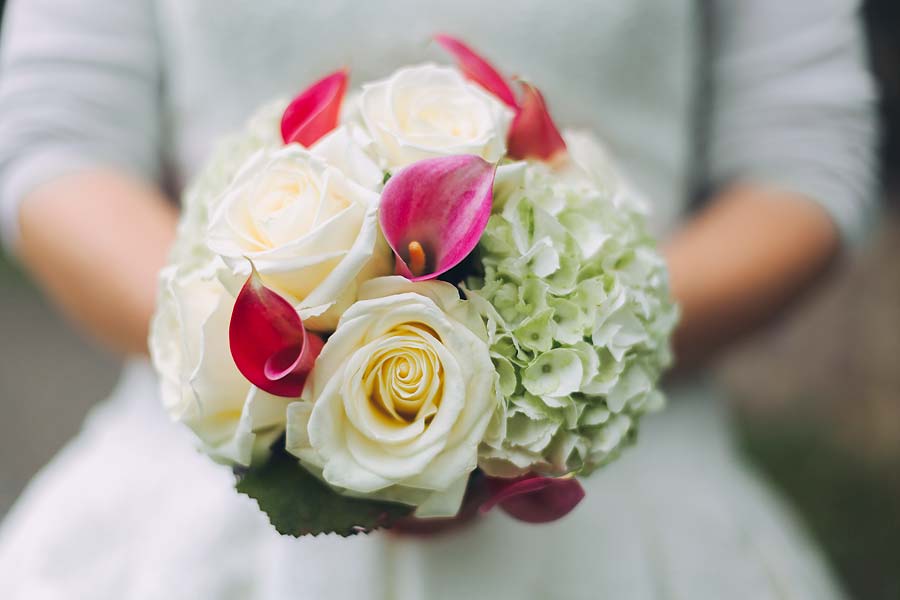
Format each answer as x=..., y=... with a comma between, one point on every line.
x=418, y=301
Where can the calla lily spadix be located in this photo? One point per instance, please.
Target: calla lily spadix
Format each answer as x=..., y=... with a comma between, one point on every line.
x=533, y=498
x=477, y=359
x=434, y=211
x=269, y=344
x=532, y=133
x=477, y=69
x=314, y=112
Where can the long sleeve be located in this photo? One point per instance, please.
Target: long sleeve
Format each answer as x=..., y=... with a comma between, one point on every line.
x=79, y=87
x=794, y=103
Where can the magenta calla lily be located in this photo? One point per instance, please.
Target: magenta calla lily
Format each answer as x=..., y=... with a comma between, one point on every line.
x=314, y=112
x=532, y=133
x=477, y=69
x=269, y=344
x=434, y=211
x=533, y=498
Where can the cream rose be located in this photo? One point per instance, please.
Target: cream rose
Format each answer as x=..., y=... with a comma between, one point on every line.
x=309, y=227
x=400, y=397
x=426, y=111
x=234, y=421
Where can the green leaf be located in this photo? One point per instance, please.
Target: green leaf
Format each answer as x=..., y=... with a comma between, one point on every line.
x=297, y=503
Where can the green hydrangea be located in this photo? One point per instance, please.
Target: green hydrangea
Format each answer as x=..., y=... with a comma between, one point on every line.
x=577, y=306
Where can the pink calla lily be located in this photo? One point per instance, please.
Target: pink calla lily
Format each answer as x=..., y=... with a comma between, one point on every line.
x=314, y=112
x=533, y=133
x=477, y=69
x=533, y=498
x=434, y=211
x=269, y=344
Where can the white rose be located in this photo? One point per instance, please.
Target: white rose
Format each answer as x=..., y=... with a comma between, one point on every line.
x=350, y=149
x=309, y=227
x=426, y=111
x=202, y=195
x=400, y=397
x=234, y=421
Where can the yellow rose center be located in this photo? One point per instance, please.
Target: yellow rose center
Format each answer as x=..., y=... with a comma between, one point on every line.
x=404, y=381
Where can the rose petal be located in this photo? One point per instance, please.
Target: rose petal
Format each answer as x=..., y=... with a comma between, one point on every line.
x=477, y=69
x=533, y=133
x=314, y=112
x=443, y=204
x=269, y=344
x=532, y=498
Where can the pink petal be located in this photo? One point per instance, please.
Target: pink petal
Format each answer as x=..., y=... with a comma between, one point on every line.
x=269, y=344
x=532, y=133
x=443, y=204
x=534, y=499
x=478, y=69
x=314, y=112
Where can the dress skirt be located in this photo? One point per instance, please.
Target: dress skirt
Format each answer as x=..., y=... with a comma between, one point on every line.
x=130, y=510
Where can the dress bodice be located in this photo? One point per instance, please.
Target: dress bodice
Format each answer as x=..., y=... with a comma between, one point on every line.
x=622, y=68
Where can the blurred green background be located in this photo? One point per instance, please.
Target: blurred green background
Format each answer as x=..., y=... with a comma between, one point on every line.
x=817, y=393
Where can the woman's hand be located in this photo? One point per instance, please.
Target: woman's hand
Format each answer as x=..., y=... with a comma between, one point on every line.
x=741, y=260
x=95, y=241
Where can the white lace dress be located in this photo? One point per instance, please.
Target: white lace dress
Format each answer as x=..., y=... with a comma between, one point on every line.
x=129, y=510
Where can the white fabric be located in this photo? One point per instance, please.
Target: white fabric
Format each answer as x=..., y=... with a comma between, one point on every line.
x=150, y=85
x=129, y=510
